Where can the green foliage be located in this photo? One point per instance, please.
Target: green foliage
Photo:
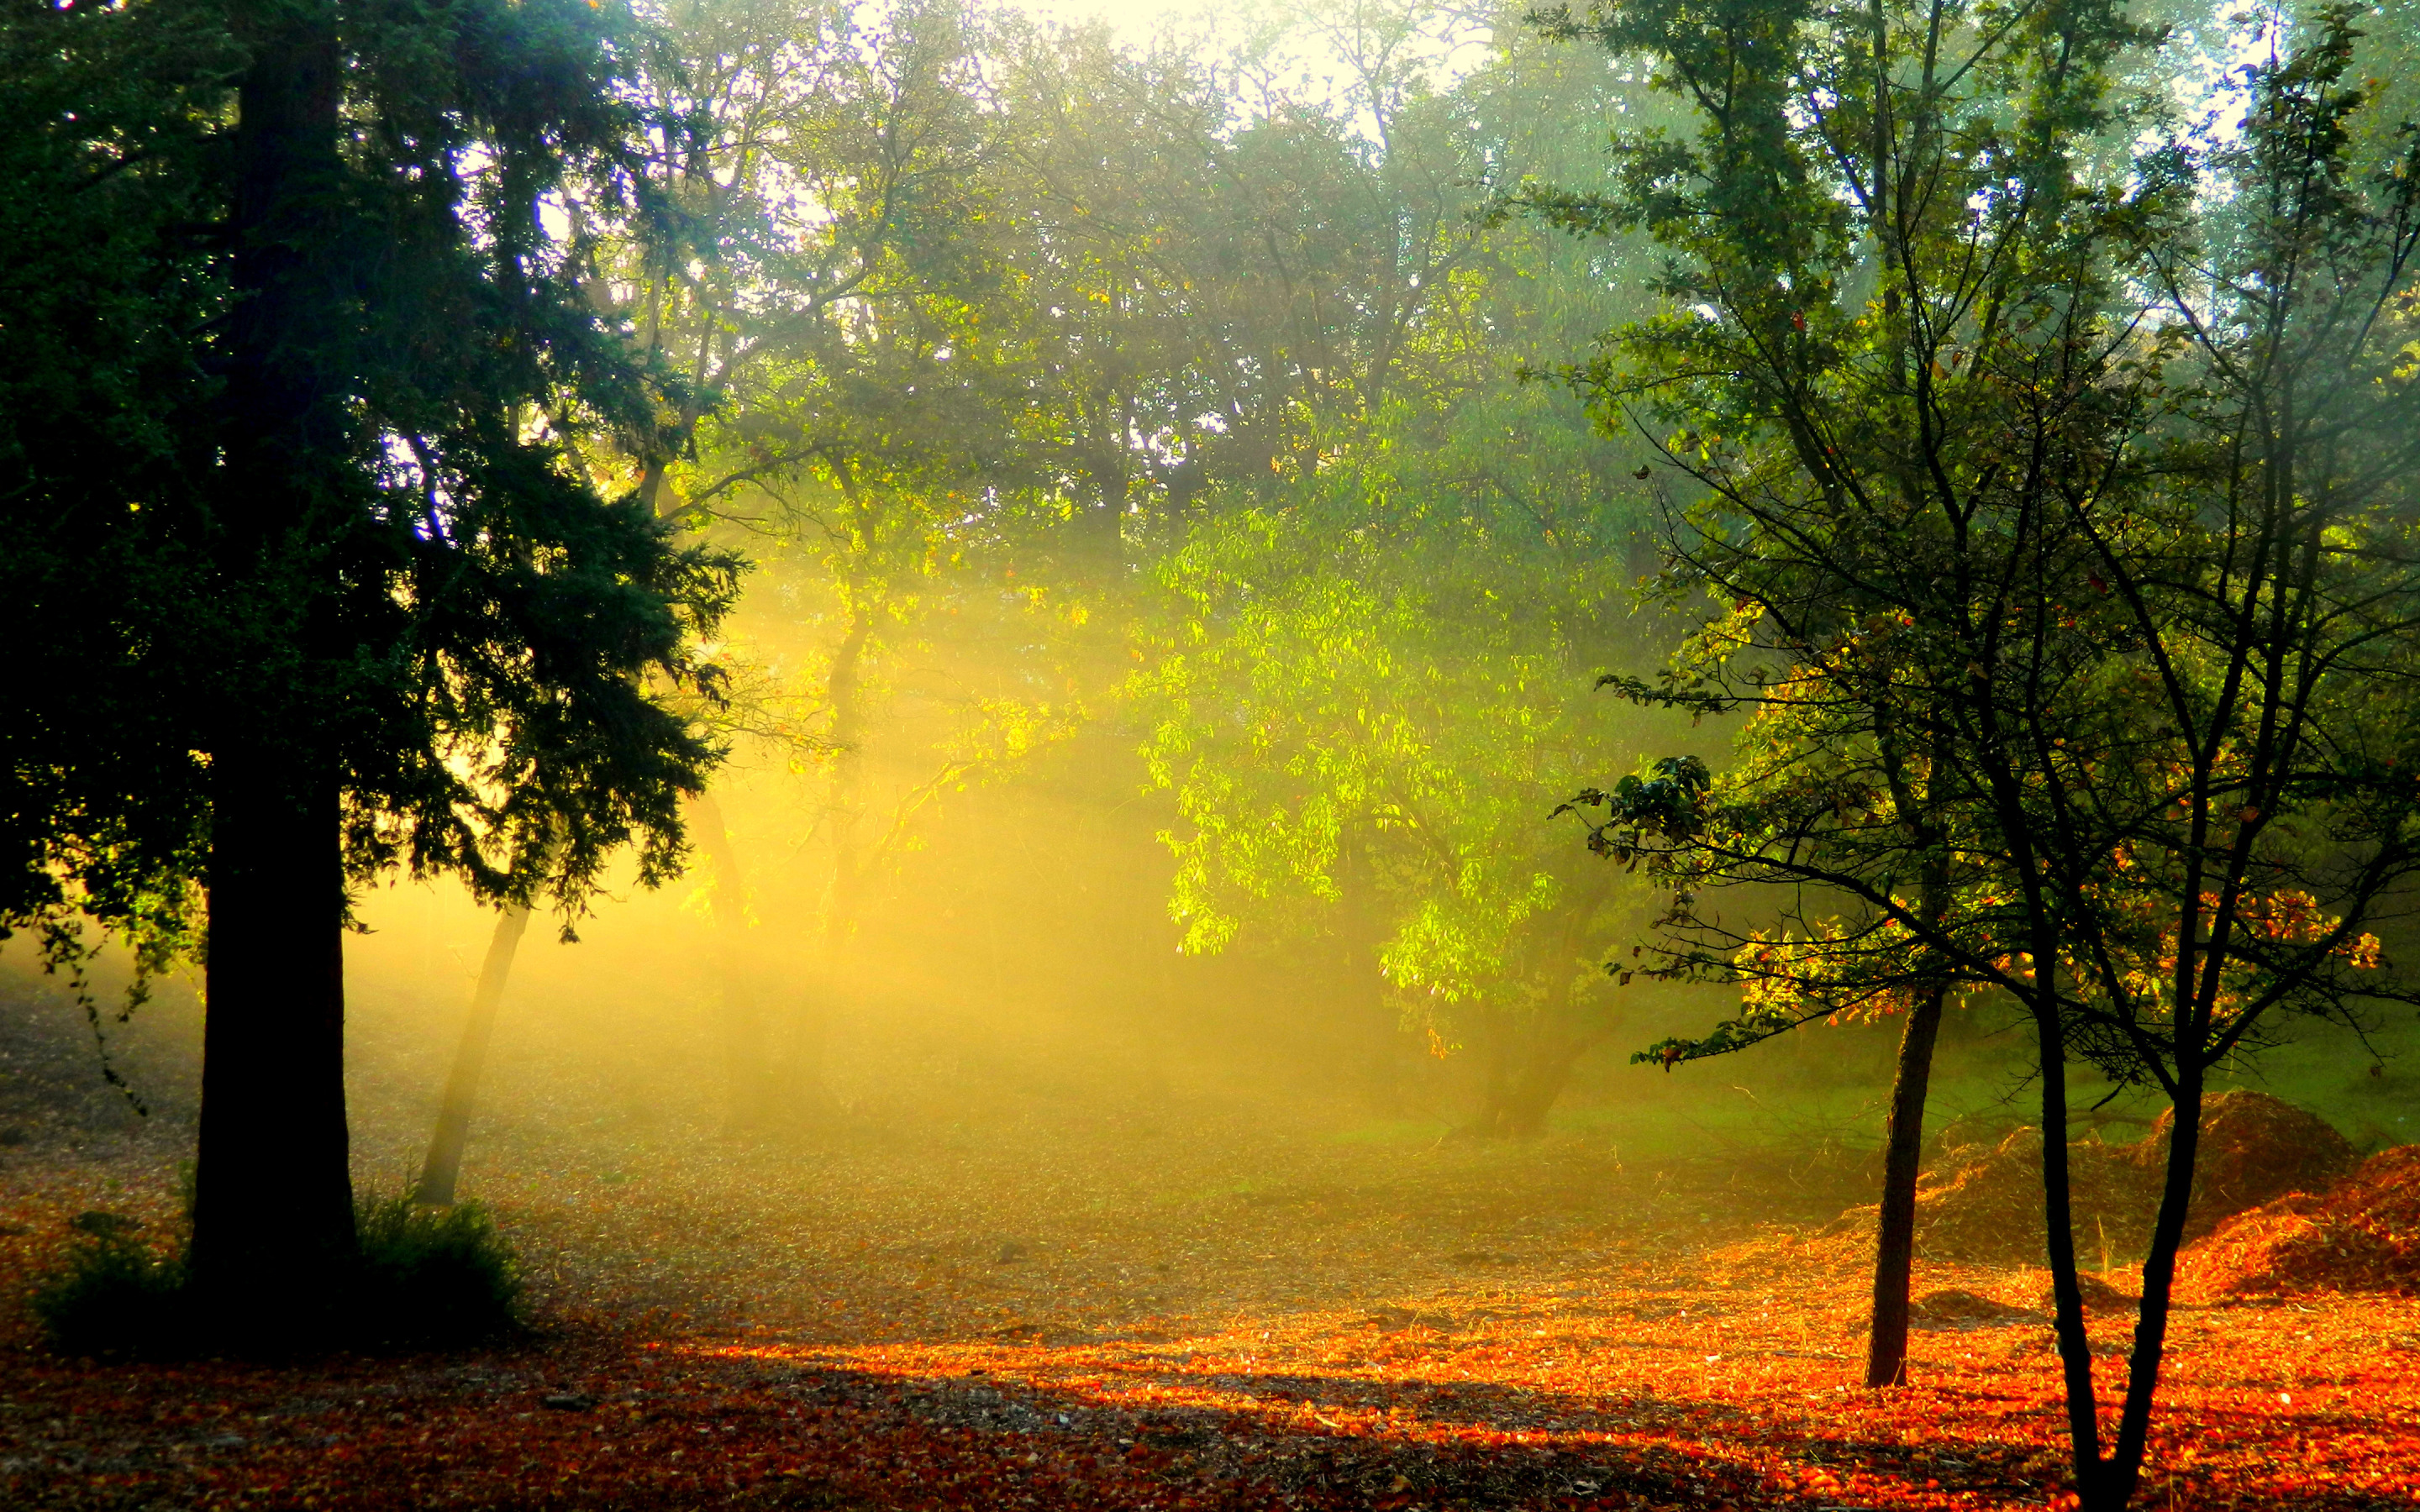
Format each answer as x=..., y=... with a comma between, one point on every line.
x=1368, y=696
x=1966, y=528
x=453, y=619
x=107, y=136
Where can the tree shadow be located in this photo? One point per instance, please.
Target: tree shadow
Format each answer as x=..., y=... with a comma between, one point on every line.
x=1435, y=1443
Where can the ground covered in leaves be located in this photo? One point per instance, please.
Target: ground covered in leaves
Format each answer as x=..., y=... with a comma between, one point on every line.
x=1172, y=1308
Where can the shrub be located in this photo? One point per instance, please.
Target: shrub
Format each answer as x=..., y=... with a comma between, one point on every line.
x=432, y=1277
x=423, y=1278
x=115, y=1296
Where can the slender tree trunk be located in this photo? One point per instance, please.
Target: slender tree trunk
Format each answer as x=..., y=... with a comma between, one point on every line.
x=2159, y=1281
x=439, y=1172
x=747, y=1072
x=2067, y=1294
x=747, y=1086
x=272, y=1217
x=1902, y=1162
x=1903, y=1141
x=809, y=1028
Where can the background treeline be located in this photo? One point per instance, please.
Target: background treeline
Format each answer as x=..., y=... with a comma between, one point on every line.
x=1075, y=401
x=1167, y=523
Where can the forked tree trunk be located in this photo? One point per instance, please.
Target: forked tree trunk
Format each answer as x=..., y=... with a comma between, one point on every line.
x=1526, y=1075
x=1902, y=1162
x=443, y=1166
x=1538, y=1083
x=1529, y=1072
x=2107, y=1484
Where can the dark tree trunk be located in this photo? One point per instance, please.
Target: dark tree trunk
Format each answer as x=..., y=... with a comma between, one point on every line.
x=273, y=1208
x=443, y=1166
x=1902, y=1162
x=2125, y=1468
x=2067, y=1294
x=272, y=1218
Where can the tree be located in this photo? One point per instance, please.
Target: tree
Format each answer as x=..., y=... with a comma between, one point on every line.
x=1373, y=672
x=841, y=281
x=2075, y=487
x=106, y=142
x=427, y=632
x=1373, y=688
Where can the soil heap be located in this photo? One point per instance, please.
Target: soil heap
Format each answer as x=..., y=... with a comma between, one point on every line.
x=2361, y=1234
x=1987, y=1208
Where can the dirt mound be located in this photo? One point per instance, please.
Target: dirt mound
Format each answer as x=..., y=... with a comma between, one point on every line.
x=1988, y=1208
x=2362, y=1234
x=2255, y=1148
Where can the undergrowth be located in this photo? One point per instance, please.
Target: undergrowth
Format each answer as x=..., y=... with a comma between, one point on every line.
x=115, y=1294
x=421, y=1279
x=433, y=1276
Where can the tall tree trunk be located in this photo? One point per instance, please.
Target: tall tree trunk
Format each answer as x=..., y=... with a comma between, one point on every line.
x=1902, y=1162
x=273, y=1207
x=747, y=1072
x=1903, y=1141
x=272, y=1217
x=443, y=1166
x=809, y=1028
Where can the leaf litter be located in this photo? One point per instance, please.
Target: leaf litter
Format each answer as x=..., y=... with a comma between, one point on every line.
x=1106, y=1312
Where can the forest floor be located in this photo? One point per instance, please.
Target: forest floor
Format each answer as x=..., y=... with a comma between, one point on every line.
x=1121, y=1310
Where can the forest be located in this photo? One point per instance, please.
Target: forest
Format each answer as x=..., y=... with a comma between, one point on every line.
x=1322, y=754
